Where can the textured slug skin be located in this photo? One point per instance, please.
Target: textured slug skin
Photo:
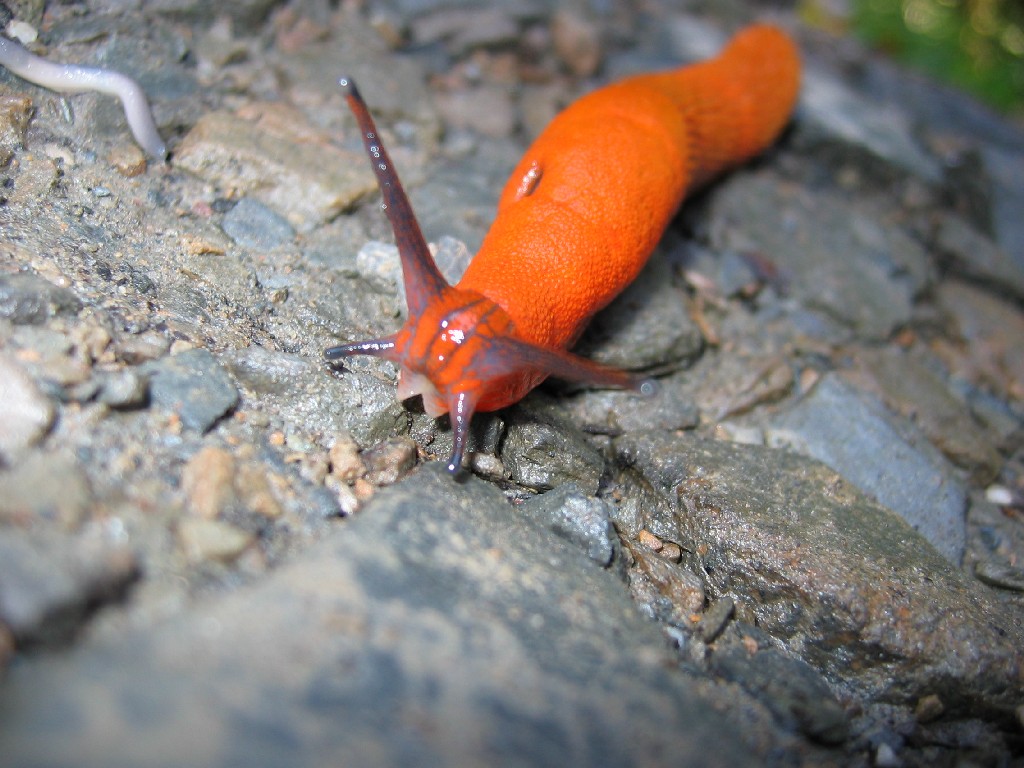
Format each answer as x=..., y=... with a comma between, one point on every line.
x=614, y=168
x=576, y=222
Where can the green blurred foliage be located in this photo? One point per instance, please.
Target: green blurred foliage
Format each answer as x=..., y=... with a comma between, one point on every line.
x=977, y=45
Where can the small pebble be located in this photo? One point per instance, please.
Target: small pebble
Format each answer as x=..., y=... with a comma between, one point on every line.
x=28, y=299
x=387, y=462
x=15, y=113
x=50, y=583
x=251, y=224
x=999, y=494
x=680, y=586
x=208, y=482
x=928, y=708
x=45, y=487
x=204, y=539
x=195, y=245
x=139, y=349
x=577, y=43
x=254, y=485
x=885, y=757
x=484, y=109
x=363, y=490
x=94, y=340
x=22, y=31
x=671, y=551
x=348, y=502
x=314, y=467
x=194, y=386
x=489, y=466
x=344, y=459
x=128, y=159
x=650, y=541
x=715, y=618
x=25, y=413
x=580, y=519
x=123, y=389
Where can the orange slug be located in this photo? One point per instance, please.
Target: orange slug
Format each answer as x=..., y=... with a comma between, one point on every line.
x=576, y=222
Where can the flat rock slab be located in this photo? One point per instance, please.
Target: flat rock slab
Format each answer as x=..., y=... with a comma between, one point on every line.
x=885, y=456
x=437, y=628
x=832, y=574
x=280, y=160
x=848, y=263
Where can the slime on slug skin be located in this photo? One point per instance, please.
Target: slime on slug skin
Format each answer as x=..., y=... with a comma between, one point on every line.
x=576, y=222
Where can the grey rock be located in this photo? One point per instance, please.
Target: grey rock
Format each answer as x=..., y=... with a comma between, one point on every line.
x=942, y=111
x=580, y=519
x=486, y=110
x=794, y=691
x=27, y=299
x=380, y=265
x=247, y=15
x=15, y=113
x=436, y=626
x=49, y=584
x=193, y=385
x=831, y=574
x=543, y=451
x=648, y=325
x=883, y=455
x=276, y=162
x=976, y=256
x=612, y=412
x=461, y=204
x=356, y=400
x=26, y=414
x=915, y=389
x=466, y=28
x=667, y=591
x=1005, y=169
x=984, y=348
x=390, y=460
x=832, y=113
x=848, y=263
x=253, y=225
x=999, y=575
x=126, y=388
x=715, y=618
x=44, y=488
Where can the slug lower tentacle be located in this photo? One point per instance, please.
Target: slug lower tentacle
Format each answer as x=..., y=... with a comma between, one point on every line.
x=71, y=78
x=576, y=223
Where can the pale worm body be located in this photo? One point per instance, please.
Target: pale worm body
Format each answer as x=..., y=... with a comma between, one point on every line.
x=71, y=78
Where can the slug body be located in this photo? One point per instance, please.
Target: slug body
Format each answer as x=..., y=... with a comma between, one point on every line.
x=576, y=223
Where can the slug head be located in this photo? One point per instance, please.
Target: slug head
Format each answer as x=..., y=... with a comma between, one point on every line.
x=459, y=349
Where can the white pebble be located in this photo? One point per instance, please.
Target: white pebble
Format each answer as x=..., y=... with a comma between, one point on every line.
x=25, y=413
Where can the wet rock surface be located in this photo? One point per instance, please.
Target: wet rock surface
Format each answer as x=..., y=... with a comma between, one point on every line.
x=805, y=548
x=441, y=623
